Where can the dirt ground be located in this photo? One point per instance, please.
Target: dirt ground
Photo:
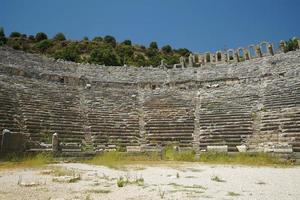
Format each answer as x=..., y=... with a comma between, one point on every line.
x=68, y=181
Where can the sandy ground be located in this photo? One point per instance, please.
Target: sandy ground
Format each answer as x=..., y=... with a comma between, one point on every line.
x=186, y=181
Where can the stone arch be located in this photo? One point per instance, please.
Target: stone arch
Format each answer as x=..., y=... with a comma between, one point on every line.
x=246, y=54
x=207, y=57
x=264, y=47
x=218, y=56
x=230, y=54
x=251, y=49
x=282, y=45
x=241, y=53
x=258, y=51
x=201, y=59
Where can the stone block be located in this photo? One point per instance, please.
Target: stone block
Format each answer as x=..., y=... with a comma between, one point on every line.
x=133, y=149
x=241, y=148
x=283, y=150
x=12, y=142
x=220, y=149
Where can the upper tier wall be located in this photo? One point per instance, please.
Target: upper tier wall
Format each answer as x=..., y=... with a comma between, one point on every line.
x=44, y=68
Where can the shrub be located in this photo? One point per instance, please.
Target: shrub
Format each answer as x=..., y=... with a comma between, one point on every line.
x=167, y=49
x=121, y=182
x=15, y=35
x=2, y=36
x=125, y=53
x=40, y=36
x=98, y=39
x=43, y=45
x=110, y=40
x=126, y=42
x=183, y=51
x=69, y=53
x=31, y=37
x=59, y=37
x=291, y=45
x=153, y=45
x=104, y=56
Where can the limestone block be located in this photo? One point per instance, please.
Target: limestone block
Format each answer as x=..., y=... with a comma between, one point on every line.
x=223, y=148
x=242, y=148
x=283, y=150
x=133, y=149
x=12, y=142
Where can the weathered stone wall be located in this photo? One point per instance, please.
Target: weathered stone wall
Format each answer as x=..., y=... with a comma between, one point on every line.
x=254, y=102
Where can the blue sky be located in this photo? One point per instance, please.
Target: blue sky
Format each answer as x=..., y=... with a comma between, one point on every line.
x=199, y=25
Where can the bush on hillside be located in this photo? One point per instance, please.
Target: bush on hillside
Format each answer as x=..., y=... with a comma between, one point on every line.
x=40, y=36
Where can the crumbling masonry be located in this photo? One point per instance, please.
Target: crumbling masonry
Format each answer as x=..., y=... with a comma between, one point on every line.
x=223, y=104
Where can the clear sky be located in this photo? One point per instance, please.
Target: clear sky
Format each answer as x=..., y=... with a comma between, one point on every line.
x=199, y=25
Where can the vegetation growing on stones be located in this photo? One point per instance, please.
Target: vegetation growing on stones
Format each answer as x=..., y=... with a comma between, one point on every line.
x=291, y=45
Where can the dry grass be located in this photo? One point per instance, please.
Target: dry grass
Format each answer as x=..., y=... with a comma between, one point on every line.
x=255, y=159
x=120, y=160
x=27, y=161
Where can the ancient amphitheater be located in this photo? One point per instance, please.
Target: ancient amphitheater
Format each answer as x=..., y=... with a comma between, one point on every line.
x=223, y=104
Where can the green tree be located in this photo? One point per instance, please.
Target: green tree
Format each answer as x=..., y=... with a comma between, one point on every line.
x=2, y=36
x=104, y=56
x=40, y=36
x=127, y=42
x=183, y=51
x=110, y=40
x=31, y=37
x=59, y=37
x=151, y=52
x=98, y=39
x=139, y=60
x=153, y=45
x=15, y=35
x=167, y=49
x=69, y=53
x=125, y=53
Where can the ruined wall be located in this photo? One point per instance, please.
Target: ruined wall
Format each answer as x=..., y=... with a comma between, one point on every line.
x=254, y=102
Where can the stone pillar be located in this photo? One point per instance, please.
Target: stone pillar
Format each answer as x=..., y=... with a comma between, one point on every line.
x=258, y=51
x=55, y=143
x=200, y=60
x=237, y=57
x=191, y=60
x=282, y=46
x=182, y=61
x=162, y=63
x=270, y=50
x=5, y=139
x=12, y=142
x=247, y=56
x=225, y=57
x=207, y=58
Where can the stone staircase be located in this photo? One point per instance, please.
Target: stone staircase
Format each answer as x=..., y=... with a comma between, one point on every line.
x=169, y=119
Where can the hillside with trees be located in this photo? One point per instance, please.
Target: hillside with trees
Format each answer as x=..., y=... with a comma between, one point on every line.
x=99, y=50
